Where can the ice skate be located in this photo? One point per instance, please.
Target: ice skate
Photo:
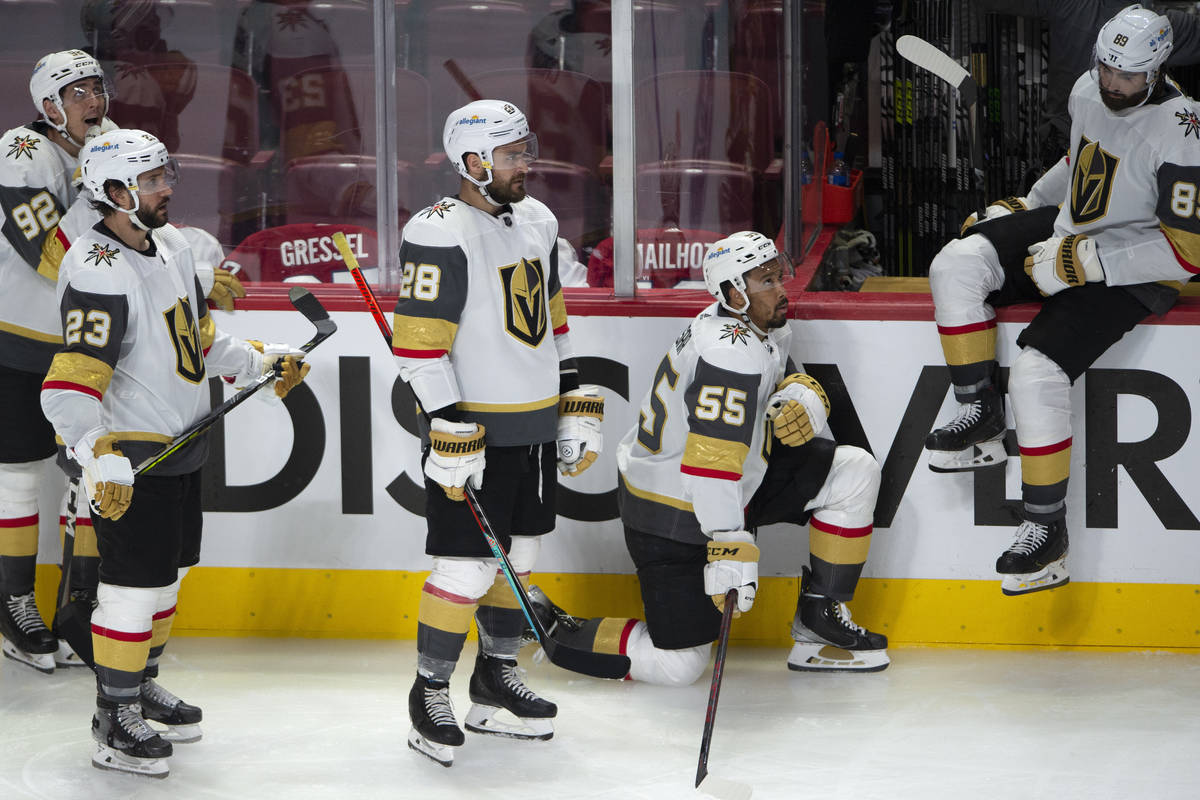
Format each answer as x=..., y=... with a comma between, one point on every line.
x=65, y=656
x=27, y=640
x=181, y=720
x=497, y=685
x=972, y=440
x=551, y=617
x=435, y=732
x=827, y=640
x=1036, y=560
x=125, y=743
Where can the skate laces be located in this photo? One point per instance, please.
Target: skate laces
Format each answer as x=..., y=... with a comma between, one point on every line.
x=24, y=611
x=437, y=704
x=1029, y=537
x=843, y=616
x=513, y=677
x=129, y=717
x=158, y=694
x=968, y=415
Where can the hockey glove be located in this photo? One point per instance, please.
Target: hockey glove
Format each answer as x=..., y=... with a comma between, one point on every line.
x=455, y=456
x=580, y=413
x=107, y=474
x=1000, y=208
x=220, y=286
x=732, y=564
x=1063, y=262
x=798, y=410
x=280, y=359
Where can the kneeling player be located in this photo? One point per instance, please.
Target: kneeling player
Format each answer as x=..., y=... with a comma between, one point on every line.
x=731, y=436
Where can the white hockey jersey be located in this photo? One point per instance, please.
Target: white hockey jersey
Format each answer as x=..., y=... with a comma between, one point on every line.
x=700, y=447
x=1132, y=184
x=139, y=345
x=35, y=191
x=480, y=323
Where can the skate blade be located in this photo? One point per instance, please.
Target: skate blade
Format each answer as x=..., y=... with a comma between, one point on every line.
x=177, y=734
x=978, y=456
x=66, y=657
x=1051, y=576
x=817, y=657
x=107, y=758
x=485, y=720
x=441, y=753
x=42, y=662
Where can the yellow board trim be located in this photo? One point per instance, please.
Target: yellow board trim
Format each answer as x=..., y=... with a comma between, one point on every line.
x=30, y=333
x=381, y=604
x=507, y=408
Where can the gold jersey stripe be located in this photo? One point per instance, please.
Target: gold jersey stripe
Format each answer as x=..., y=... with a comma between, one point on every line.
x=161, y=630
x=969, y=348
x=507, y=408
x=558, y=311
x=53, y=249
x=1186, y=245
x=682, y=505
x=143, y=436
x=709, y=453
x=81, y=369
x=444, y=614
x=422, y=333
x=500, y=595
x=1046, y=470
x=838, y=549
x=30, y=333
x=19, y=542
x=118, y=654
x=208, y=332
x=608, y=635
x=85, y=540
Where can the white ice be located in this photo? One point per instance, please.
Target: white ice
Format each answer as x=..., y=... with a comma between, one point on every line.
x=298, y=719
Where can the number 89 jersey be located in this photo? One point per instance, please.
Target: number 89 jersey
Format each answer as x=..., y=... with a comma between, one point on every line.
x=699, y=449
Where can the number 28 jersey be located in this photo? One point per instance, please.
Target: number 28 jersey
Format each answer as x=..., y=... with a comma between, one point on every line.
x=700, y=446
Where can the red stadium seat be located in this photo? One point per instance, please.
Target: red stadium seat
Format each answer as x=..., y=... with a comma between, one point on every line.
x=302, y=251
x=213, y=195
x=709, y=195
x=566, y=110
x=577, y=198
x=706, y=115
x=335, y=188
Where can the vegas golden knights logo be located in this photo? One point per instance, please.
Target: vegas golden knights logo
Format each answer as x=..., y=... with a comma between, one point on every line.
x=525, y=300
x=185, y=336
x=1091, y=182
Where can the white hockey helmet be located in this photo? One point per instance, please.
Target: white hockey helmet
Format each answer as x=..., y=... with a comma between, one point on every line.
x=1136, y=39
x=729, y=259
x=55, y=71
x=123, y=155
x=480, y=127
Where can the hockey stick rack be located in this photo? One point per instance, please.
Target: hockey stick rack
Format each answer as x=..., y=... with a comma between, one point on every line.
x=585, y=662
x=74, y=621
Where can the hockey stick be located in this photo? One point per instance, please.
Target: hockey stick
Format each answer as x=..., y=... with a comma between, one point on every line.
x=712, y=785
x=306, y=304
x=72, y=620
x=585, y=662
x=924, y=55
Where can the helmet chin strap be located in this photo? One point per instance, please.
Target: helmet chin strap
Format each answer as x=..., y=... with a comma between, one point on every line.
x=743, y=313
x=482, y=186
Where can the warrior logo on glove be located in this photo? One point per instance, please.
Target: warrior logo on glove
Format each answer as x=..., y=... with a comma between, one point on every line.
x=580, y=413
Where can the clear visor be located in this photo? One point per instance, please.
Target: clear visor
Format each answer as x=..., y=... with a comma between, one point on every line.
x=513, y=155
x=1118, y=80
x=85, y=90
x=157, y=180
x=770, y=275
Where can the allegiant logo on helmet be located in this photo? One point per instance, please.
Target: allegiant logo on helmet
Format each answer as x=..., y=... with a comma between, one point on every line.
x=720, y=252
x=101, y=148
x=474, y=120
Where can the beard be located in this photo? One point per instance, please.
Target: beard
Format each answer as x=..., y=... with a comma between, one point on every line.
x=153, y=219
x=1120, y=102
x=507, y=192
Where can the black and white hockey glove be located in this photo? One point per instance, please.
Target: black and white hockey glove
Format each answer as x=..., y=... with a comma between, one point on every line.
x=732, y=564
x=799, y=409
x=456, y=455
x=580, y=413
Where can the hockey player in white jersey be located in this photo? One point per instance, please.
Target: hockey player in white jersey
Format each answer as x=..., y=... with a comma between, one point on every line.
x=37, y=162
x=730, y=436
x=139, y=345
x=1125, y=239
x=481, y=334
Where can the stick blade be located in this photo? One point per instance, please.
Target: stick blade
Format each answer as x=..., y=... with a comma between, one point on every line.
x=585, y=662
x=308, y=305
x=920, y=52
x=723, y=789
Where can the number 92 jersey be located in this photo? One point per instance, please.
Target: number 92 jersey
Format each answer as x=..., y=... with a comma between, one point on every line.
x=700, y=446
x=480, y=322
x=35, y=191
